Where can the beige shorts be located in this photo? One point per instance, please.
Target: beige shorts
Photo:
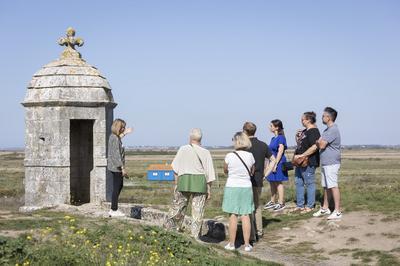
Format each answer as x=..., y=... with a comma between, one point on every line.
x=329, y=175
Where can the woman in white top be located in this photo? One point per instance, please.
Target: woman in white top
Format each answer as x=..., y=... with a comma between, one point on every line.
x=238, y=192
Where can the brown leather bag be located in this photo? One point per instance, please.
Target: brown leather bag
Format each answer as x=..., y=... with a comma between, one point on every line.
x=300, y=162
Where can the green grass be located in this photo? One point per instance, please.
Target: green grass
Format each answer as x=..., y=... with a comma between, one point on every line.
x=382, y=258
x=11, y=174
x=68, y=240
x=306, y=249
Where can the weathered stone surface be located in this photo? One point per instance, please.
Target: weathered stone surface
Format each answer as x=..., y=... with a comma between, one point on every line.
x=73, y=94
x=86, y=70
x=69, y=111
x=62, y=81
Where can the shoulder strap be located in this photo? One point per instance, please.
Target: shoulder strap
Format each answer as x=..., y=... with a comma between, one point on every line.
x=198, y=157
x=248, y=171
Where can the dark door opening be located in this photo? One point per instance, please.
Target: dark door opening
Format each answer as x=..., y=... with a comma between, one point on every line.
x=81, y=160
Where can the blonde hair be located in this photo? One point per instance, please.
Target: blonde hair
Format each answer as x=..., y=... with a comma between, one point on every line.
x=117, y=125
x=241, y=141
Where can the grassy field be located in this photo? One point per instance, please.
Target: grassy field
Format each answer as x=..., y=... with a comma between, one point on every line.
x=369, y=181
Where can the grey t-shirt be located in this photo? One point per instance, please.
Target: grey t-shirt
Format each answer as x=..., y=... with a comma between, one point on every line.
x=331, y=154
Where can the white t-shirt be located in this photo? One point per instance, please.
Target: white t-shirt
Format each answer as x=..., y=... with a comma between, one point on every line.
x=238, y=176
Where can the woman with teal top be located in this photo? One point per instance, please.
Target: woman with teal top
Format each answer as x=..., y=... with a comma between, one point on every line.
x=238, y=192
x=278, y=147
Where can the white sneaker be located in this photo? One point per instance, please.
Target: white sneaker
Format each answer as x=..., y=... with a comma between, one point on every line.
x=321, y=212
x=229, y=247
x=116, y=213
x=248, y=248
x=335, y=215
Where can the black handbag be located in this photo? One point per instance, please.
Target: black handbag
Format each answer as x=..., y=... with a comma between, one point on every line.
x=216, y=232
x=136, y=212
x=287, y=166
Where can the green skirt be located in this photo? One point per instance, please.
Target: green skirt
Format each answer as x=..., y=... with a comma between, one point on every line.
x=192, y=183
x=238, y=200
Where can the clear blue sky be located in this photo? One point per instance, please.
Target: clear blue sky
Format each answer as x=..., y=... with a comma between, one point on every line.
x=174, y=65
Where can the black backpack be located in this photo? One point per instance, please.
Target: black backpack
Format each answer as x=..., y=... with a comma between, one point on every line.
x=136, y=212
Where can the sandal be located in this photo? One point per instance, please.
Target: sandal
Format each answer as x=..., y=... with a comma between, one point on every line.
x=307, y=210
x=298, y=209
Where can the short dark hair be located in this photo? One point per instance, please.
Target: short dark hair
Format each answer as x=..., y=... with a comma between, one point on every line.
x=249, y=128
x=278, y=124
x=311, y=116
x=332, y=113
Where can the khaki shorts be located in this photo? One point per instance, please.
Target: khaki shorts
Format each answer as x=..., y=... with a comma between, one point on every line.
x=329, y=175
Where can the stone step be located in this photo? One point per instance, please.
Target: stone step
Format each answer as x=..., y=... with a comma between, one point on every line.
x=158, y=217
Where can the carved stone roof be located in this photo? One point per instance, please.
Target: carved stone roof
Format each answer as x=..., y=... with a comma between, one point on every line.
x=69, y=80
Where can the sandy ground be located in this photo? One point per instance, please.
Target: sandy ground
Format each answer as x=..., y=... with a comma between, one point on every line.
x=326, y=240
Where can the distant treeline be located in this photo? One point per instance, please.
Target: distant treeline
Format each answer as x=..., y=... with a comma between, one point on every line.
x=150, y=152
x=172, y=150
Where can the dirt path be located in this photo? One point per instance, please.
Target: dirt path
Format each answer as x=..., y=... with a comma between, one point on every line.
x=360, y=237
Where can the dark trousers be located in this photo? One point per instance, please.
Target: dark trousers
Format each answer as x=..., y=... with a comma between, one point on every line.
x=118, y=182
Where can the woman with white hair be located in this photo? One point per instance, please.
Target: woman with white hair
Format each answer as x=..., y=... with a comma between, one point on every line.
x=194, y=172
x=238, y=193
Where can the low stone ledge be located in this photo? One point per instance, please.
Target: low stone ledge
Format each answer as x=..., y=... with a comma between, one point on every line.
x=157, y=217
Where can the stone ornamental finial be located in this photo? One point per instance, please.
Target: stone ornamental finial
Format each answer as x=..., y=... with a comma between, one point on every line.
x=70, y=41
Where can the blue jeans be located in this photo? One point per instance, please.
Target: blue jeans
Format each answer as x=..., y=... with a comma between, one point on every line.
x=305, y=176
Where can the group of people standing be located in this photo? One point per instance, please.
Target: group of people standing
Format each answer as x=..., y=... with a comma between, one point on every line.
x=251, y=162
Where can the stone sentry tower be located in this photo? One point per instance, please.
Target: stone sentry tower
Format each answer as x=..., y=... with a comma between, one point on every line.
x=69, y=112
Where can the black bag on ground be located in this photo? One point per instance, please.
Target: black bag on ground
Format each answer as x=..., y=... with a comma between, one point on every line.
x=216, y=231
x=136, y=212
